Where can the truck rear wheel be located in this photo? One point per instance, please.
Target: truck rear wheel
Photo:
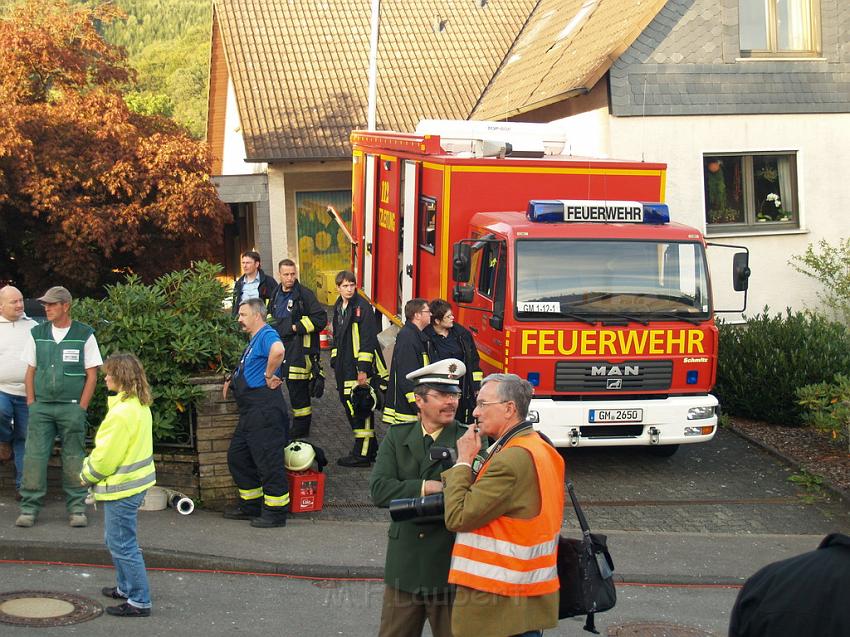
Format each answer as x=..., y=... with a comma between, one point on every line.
x=662, y=451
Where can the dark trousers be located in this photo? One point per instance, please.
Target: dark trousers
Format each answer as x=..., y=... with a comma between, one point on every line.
x=255, y=456
x=365, y=442
x=403, y=614
x=302, y=412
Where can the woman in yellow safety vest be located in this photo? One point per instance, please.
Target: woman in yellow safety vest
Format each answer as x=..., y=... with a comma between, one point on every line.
x=119, y=471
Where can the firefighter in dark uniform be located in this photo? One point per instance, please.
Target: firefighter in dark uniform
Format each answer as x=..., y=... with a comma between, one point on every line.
x=411, y=352
x=356, y=360
x=298, y=320
x=255, y=456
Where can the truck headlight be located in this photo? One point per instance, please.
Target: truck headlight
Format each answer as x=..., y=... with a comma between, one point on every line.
x=533, y=415
x=700, y=413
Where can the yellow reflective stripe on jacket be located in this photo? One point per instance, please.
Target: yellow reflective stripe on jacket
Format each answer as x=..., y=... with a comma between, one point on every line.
x=402, y=418
x=425, y=359
x=251, y=494
x=308, y=324
x=477, y=376
x=276, y=500
x=90, y=474
x=410, y=397
x=333, y=352
x=126, y=489
x=305, y=341
x=355, y=339
x=366, y=357
x=299, y=373
x=364, y=433
x=304, y=411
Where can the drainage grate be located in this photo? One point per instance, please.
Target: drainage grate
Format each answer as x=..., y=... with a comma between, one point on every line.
x=43, y=609
x=655, y=629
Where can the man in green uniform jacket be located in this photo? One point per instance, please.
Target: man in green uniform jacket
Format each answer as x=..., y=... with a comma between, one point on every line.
x=418, y=553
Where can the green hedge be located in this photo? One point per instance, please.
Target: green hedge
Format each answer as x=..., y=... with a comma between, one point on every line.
x=763, y=362
x=178, y=329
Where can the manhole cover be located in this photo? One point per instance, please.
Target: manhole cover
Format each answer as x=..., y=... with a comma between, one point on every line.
x=46, y=608
x=655, y=629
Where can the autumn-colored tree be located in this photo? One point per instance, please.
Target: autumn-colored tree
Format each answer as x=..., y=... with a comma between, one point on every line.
x=90, y=189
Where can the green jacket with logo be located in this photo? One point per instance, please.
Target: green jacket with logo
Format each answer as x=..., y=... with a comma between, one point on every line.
x=60, y=373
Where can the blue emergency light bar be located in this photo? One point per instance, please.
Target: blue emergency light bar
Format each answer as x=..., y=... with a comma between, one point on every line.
x=593, y=211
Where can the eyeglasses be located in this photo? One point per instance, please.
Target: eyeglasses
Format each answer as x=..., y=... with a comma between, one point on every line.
x=446, y=396
x=484, y=403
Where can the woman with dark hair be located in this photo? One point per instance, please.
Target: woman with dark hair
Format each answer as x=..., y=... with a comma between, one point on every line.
x=452, y=340
x=119, y=471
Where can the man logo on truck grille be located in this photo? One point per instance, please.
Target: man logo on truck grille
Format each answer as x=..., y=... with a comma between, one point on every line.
x=614, y=383
x=614, y=370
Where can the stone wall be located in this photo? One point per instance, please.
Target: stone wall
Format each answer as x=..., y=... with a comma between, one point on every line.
x=201, y=475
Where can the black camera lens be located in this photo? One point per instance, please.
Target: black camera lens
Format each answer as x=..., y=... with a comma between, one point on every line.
x=423, y=509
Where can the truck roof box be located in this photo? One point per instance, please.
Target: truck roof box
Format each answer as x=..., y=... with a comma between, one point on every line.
x=479, y=138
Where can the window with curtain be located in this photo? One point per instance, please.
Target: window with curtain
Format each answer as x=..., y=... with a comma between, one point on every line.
x=777, y=28
x=750, y=192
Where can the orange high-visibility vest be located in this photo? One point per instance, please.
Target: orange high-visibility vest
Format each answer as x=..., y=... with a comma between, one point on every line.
x=512, y=556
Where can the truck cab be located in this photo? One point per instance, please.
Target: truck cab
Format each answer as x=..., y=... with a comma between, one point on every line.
x=611, y=322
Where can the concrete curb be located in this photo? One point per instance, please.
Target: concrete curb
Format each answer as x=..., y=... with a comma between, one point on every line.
x=97, y=555
x=829, y=486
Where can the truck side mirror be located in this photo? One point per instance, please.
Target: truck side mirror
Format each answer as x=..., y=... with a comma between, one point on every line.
x=463, y=293
x=740, y=271
x=461, y=263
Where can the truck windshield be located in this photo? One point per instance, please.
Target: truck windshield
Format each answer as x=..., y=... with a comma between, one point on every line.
x=592, y=278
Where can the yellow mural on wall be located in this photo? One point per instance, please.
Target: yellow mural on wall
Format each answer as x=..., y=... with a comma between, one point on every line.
x=322, y=245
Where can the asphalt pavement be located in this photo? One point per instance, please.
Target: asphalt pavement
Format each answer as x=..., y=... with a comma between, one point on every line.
x=684, y=533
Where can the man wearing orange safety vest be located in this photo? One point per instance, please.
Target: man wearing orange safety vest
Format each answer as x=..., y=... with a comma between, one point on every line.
x=507, y=514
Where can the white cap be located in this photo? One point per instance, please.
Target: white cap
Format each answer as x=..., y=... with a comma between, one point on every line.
x=444, y=375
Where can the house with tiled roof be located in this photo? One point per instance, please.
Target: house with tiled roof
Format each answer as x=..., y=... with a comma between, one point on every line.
x=747, y=101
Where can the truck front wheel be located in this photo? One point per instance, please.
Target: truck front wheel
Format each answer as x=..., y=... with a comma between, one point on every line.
x=662, y=451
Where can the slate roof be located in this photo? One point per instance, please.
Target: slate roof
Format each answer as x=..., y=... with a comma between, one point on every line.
x=299, y=67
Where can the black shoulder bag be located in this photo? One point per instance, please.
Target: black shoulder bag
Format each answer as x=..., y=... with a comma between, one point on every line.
x=585, y=571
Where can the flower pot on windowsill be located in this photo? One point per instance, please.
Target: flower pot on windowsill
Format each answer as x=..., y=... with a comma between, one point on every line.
x=726, y=215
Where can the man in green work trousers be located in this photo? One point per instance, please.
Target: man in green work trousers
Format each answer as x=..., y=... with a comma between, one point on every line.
x=62, y=358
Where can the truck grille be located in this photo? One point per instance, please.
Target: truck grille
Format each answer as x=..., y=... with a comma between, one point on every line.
x=615, y=378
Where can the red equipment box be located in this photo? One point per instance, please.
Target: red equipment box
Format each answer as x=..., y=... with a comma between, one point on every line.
x=306, y=491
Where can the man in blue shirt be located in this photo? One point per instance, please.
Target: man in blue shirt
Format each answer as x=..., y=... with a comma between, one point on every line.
x=255, y=456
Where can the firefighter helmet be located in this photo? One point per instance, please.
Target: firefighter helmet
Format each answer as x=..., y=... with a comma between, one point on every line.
x=298, y=455
x=363, y=400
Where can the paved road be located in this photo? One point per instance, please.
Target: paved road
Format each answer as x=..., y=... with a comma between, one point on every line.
x=208, y=605
x=725, y=486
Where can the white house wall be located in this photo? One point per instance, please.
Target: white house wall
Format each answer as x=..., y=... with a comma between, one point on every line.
x=233, y=155
x=822, y=144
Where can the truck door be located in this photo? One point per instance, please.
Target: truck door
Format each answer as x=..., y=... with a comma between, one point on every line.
x=385, y=294
x=487, y=319
x=410, y=188
x=366, y=282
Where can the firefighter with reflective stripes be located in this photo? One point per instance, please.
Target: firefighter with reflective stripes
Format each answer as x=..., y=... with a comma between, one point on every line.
x=119, y=471
x=507, y=515
x=412, y=351
x=255, y=456
x=357, y=361
x=298, y=320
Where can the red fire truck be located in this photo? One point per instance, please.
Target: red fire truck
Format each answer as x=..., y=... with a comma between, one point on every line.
x=567, y=270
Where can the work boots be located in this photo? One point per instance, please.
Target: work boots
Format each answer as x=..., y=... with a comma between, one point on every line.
x=269, y=519
x=242, y=511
